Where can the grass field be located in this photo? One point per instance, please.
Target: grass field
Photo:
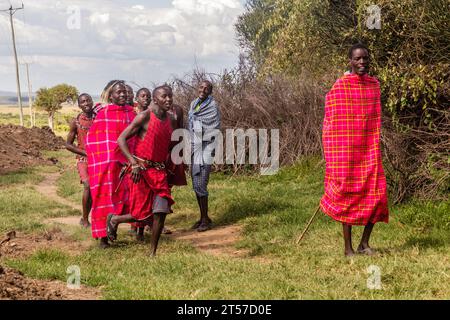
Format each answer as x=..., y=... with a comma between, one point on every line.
x=10, y=115
x=413, y=258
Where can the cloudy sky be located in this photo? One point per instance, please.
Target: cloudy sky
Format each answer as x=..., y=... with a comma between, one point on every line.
x=86, y=43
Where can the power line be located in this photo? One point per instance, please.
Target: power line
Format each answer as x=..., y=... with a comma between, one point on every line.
x=12, y=11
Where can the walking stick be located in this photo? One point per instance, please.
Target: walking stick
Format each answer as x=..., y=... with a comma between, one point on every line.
x=307, y=227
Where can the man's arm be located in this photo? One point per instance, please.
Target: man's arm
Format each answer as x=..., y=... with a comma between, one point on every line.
x=132, y=130
x=73, y=131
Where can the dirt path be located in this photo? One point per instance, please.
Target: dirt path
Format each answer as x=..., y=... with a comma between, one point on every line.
x=48, y=188
x=217, y=241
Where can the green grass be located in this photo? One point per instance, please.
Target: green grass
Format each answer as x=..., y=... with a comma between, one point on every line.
x=60, y=122
x=22, y=208
x=414, y=247
x=24, y=176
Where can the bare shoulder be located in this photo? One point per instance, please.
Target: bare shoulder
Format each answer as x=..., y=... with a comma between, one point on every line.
x=73, y=124
x=142, y=117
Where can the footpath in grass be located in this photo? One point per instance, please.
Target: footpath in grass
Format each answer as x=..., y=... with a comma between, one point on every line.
x=412, y=263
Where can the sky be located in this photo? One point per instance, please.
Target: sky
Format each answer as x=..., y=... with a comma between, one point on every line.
x=86, y=43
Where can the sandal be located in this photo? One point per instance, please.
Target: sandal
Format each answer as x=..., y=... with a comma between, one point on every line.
x=110, y=230
x=84, y=225
x=198, y=223
x=366, y=251
x=204, y=227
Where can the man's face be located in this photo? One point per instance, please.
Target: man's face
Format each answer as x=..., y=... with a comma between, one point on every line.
x=85, y=103
x=130, y=95
x=119, y=95
x=144, y=99
x=164, y=99
x=204, y=90
x=360, y=61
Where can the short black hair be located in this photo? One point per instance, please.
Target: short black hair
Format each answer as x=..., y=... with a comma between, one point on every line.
x=163, y=87
x=142, y=89
x=358, y=45
x=83, y=94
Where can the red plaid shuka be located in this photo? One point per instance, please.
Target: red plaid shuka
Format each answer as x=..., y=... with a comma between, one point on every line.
x=355, y=184
x=155, y=147
x=104, y=164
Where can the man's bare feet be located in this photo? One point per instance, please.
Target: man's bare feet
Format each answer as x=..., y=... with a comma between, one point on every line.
x=104, y=243
x=365, y=249
x=140, y=237
x=349, y=253
x=85, y=223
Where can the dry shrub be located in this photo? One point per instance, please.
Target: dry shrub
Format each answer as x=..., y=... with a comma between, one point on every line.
x=416, y=157
x=295, y=107
x=417, y=160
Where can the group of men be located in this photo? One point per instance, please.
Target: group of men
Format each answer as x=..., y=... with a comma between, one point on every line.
x=124, y=158
x=124, y=162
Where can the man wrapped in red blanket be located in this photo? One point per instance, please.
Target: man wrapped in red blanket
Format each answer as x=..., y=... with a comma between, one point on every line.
x=150, y=196
x=355, y=184
x=109, y=195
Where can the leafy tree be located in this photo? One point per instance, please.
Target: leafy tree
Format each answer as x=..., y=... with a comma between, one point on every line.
x=410, y=56
x=51, y=99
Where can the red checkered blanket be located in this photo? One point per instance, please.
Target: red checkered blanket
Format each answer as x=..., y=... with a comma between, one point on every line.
x=355, y=184
x=104, y=164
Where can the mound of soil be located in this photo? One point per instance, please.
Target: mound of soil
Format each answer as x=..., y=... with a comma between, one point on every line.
x=15, y=286
x=21, y=147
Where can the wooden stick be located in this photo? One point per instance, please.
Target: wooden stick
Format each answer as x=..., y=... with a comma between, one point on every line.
x=307, y=227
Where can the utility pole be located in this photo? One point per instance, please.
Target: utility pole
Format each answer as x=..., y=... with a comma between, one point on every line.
x=30, y=99
x=19, y=94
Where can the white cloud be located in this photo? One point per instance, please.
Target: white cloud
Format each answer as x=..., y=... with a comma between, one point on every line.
x=122, y=40
x=99, y=18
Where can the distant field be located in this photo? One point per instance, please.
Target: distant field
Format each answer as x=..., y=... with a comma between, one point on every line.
x=10, y=115
x=68, y=109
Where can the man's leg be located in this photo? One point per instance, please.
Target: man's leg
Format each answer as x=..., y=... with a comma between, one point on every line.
x=348, y=240
x=118, y=219
x=200, y=184
x=205, y=221
x=104, y=243
x=158, y=225
x=364, y=244
x=87, y=203
x=140, y=234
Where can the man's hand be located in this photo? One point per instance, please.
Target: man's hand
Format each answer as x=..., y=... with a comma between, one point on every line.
x=137, y=166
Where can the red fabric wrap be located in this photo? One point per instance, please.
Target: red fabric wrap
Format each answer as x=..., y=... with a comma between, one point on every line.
x=152, y=183
x=82, y=168
x=355, y=184
x=104, y=164
x=154, y=147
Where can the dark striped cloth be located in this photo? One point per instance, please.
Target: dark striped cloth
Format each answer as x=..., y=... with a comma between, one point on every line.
x=200, y=181
x=204, y=118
